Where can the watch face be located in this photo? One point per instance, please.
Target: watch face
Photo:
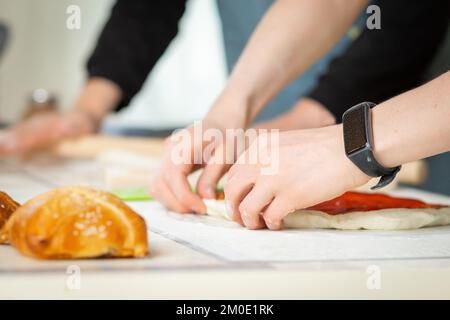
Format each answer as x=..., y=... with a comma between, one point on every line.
x=355, y=130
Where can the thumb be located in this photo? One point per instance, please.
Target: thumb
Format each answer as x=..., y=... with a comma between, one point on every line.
x=207, y=183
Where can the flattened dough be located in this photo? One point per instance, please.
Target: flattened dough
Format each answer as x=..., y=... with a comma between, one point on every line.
x=387, y=219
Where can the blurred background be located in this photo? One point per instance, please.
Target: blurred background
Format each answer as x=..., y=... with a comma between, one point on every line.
x=39, y=51
x=43, y=53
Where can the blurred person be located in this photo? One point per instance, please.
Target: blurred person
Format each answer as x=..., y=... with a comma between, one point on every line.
x=135, y=36
x=138, y=32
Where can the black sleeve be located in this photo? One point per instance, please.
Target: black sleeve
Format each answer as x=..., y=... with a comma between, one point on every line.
x=133, y=39
x=382, y=63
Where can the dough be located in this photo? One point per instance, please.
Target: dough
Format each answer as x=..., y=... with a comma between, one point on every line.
x=386, y=219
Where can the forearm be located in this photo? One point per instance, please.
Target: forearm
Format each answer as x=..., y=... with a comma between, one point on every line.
x=305, y=114
x=98, y=97
x=286, y=42
x=413, y=125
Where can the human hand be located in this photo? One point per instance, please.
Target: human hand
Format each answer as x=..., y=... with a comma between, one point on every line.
x=43, y=131
x=311, y=167
x=203, y=145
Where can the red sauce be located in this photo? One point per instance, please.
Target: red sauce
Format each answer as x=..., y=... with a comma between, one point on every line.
x=359, y=201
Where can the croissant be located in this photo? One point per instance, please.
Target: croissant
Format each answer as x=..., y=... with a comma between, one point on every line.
x=7, y=207
x=77, y=222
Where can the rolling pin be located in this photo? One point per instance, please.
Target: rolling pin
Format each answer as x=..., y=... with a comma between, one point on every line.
x=413, y=173
x=91, y=146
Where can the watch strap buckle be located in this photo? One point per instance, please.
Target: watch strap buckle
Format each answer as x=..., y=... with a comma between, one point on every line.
x=386, y=179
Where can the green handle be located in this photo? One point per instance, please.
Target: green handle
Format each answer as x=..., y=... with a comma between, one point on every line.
x=137, y=194
x=133, y=194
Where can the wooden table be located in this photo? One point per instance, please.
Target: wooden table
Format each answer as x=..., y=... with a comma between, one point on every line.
x=176, y=269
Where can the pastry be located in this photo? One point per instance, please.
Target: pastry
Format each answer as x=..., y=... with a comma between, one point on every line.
x=76, y=222
x=7, y=207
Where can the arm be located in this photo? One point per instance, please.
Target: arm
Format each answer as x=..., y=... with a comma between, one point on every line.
x=311, y=165
x=383, y=63
x=413, y=125
x=286, y=42
x=97, y=98
x=134, y=38
x=378, y=65
x=290, y=37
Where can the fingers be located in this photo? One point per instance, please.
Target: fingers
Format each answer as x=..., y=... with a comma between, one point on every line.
x=160, y=191
x=176, y=193
x=275, y=212
x=180, y=188
x=235, y=191
x=253, y=205
x=213, y=171
x=208, y=180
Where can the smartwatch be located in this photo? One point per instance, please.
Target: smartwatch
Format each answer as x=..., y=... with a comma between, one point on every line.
x=358, y=142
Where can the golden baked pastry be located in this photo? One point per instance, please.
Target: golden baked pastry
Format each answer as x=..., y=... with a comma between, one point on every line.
x=77, y=222
x=7, y=208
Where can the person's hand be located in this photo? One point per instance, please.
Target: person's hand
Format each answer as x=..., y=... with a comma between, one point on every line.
x=185, y=152
x=305, y=114
x=203, y=145
x=43, y=131
x=171, y=186
x=297, y=170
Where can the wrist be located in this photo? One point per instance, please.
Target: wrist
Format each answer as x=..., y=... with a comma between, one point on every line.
x=230, y=111
x=353, y=175
x=385, y=148
x=98, y=97
x=94, y=120
x=359, y=146
x=79, y=122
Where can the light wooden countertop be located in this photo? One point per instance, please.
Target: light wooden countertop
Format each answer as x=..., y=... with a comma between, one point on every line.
x=177, y=270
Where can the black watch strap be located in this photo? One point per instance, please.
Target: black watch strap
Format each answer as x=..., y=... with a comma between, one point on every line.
x=367, y=163
x=358, y=140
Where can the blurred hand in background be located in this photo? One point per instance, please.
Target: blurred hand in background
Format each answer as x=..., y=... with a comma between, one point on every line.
x=305, y=114
x=45, y=129
x=42, y=131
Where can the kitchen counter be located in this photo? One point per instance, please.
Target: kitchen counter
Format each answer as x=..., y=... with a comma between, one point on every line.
x=183, y=265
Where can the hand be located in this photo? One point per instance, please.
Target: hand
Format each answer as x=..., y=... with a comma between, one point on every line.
x=310, y=167
x=183, y=154
x=305, y=114
x=43, y=131
x=197, y=150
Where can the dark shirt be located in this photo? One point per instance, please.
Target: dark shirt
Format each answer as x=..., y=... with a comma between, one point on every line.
x=133, y=39
x=378, y=64
x=382, y=63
